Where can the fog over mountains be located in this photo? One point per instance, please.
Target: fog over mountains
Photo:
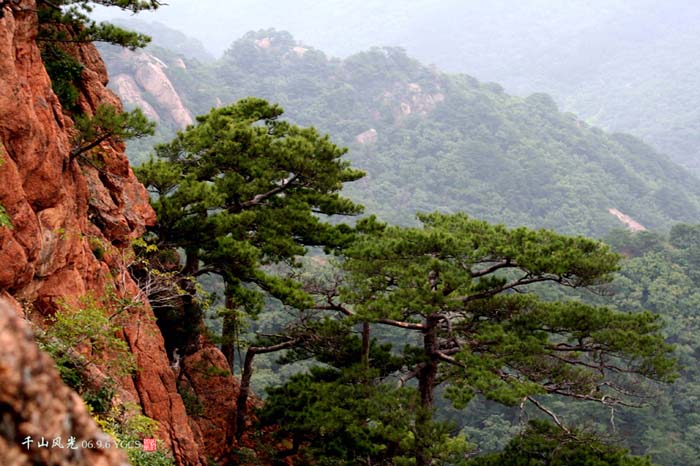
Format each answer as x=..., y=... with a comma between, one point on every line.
x=622, y=65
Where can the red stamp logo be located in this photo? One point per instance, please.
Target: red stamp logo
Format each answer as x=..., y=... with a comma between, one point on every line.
x=149, y=444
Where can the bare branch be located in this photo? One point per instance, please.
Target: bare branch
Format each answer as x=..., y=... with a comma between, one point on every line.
x=272, y=348
x=605, y=399
x=499, y=265
x=391, y=322
x=410, y=375
x=448, y=359
x=258, y=199
x=549, y=413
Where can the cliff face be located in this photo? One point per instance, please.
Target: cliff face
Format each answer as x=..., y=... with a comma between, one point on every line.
x=144, y=78
x=60, y=209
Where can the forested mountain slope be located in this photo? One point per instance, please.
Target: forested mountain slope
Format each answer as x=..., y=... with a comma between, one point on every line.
x=625, y=65
x=431, y=140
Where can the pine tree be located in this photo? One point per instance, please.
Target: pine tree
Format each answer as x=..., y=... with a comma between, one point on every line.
x=243, y=189
x=466, y=289
x=108, y=123
x=68, y=21
x=544, y=444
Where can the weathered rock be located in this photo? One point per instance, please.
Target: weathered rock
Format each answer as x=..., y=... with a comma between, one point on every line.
x=152, y=79
x=35, y=404
x=630, y=223
x=367, y=137
x=206, y=375
x=71, y=226
x=263, y=43
x=130, y=93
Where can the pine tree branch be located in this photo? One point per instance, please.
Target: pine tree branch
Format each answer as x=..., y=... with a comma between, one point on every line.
x=82, y=149
x=500, y=265
x=258, y=199
x=525, y=280
x=391, y=322
x=549, y=413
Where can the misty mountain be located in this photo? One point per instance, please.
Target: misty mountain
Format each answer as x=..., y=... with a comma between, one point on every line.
x=622, y=65
x=163, y=36
x=431, y=140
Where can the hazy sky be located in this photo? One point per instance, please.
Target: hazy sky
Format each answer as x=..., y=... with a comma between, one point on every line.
x=342, y=27
x=217, y=23
x=523, y=44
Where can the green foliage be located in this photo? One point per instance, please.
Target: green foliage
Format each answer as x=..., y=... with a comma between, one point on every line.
x=65, y=73
x=465, y=146
x=589, y=56
x=660, y=275
x=544, y=444
x=467, y=287
x=68, y=21
x=100, y=400
x=240, y=192
x=339, y=417
x=193, y=405
x=80, y=336
x=83, y=335
x=501, y=158
x=108, y=123
x=98, y=247
x=160, y=457
x=130, y=428
x=5, y=221
x=94, y=325
x=491, y=433
x=90, y=326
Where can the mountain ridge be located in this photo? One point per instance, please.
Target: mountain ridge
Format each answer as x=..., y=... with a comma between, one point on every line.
x=470, y=146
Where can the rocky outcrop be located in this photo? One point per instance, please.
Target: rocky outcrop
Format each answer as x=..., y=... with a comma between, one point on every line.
x=71, y=226
x=412, y=99
x=630, y=223
x=36, y=407
x=148, y=82
x=130, y=93
x=367, y=137
x=263, y=43
x=205, y=375
x=151, y=77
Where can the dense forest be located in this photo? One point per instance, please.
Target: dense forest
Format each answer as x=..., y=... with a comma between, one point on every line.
x=310, y=259
x=622, y=65
x=435, y=141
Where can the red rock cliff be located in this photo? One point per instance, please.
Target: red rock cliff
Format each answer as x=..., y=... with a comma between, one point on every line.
x=60, y=208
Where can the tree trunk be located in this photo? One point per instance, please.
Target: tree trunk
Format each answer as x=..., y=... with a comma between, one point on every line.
x=191, y=263
x=426, y=387
x=365, y=344
x=229, y=332
x=243, y=394
x=237, y=424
